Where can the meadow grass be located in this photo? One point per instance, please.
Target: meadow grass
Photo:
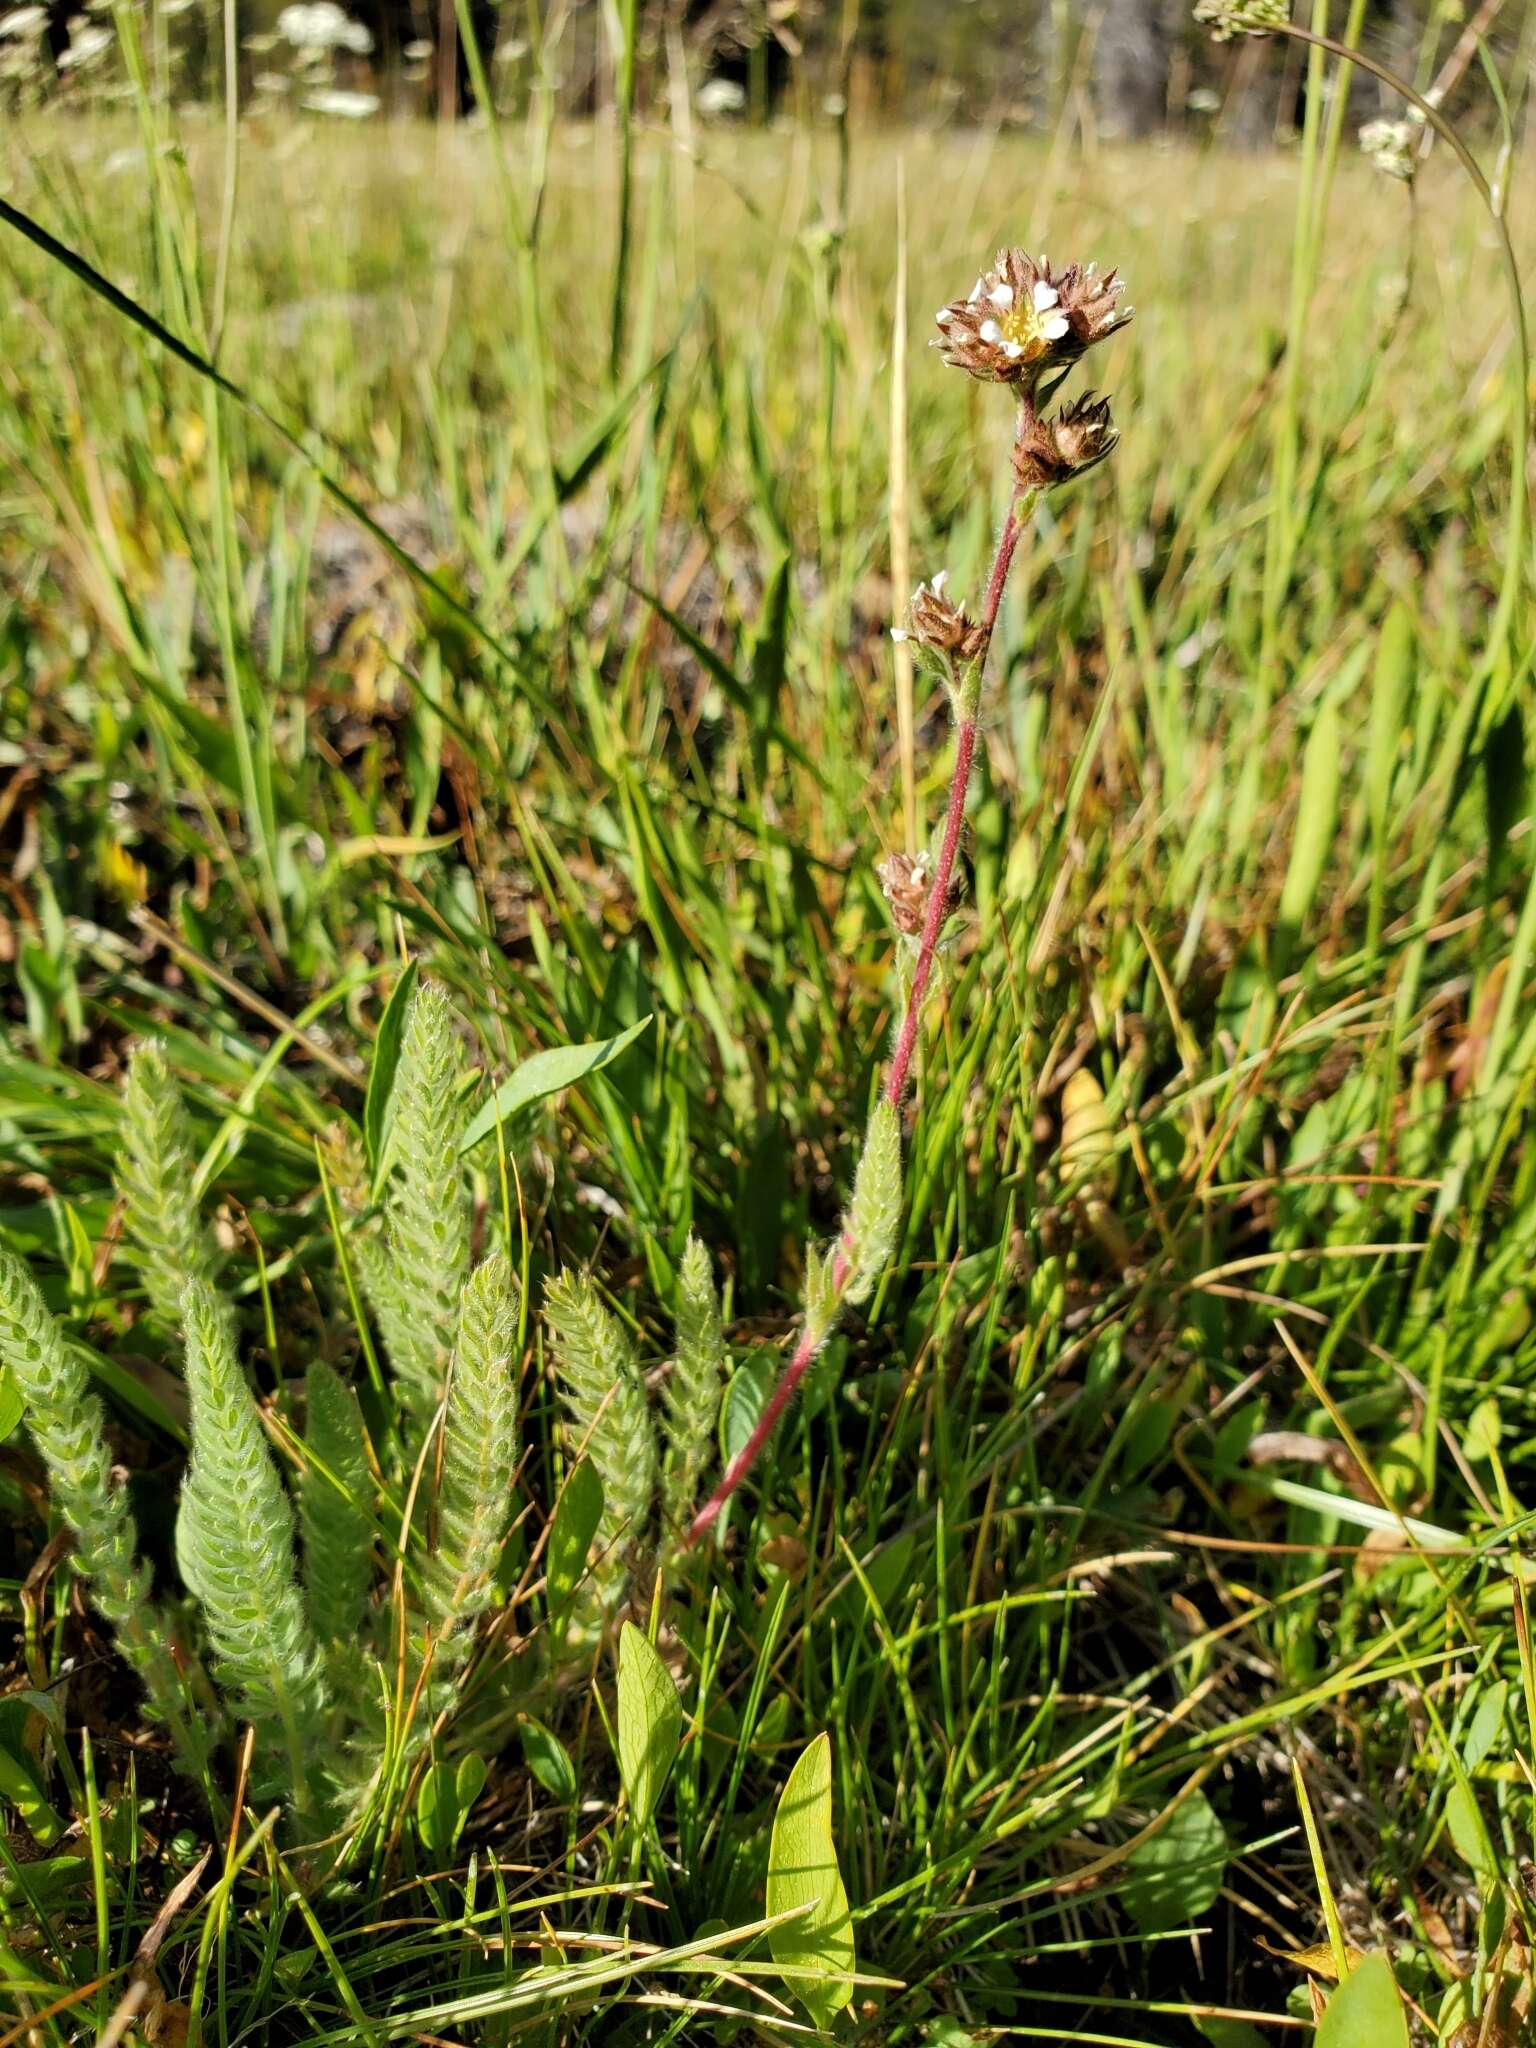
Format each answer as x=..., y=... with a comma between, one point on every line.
x=1150, y=1545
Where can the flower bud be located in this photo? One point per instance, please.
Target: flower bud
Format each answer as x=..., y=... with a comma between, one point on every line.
x=1049, y=452
x=907, y=881
x=941, y=626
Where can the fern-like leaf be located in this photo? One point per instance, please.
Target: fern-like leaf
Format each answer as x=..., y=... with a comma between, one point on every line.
x=474, y=1499
x=427, y=1214
x=691, y=1395
x=334, y=1500
x=600, y=1384
x=65, y=1418
x=155, y=1174
x=234, y=1542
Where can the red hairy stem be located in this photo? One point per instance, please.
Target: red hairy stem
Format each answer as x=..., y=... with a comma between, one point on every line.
x=901, y=1059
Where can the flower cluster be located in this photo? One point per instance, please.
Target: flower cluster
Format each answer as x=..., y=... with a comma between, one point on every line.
x=1393, y=147
x=1022, y=318
x=1228, y=18
x=322, y=25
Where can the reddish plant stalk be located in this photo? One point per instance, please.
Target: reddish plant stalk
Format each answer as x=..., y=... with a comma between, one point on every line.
x=901, y=1059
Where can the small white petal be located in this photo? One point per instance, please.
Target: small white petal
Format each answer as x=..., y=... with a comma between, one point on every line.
x=1054, y=328
x=1001, y=296
x=990, y=331
x=1013, y=350
x=943, y=316
x=1046, y=296
x=939, y=581
x=975, y=293
x=1092, y=270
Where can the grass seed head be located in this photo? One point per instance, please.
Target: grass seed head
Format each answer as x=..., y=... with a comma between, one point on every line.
x=1228, y=18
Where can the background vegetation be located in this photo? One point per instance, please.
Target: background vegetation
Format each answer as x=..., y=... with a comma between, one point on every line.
x=1171, y=1492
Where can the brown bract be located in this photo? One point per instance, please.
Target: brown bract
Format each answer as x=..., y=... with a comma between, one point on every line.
x=1051, y=451
x=907, y=880
x=936, y=622
x=1021, y=317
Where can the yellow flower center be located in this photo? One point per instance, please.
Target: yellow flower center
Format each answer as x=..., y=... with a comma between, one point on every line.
x=1021, y=324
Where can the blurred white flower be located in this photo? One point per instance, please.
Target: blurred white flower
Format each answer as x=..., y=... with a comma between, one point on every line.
x=322, y=25
x=86, y=44
x=1392, y=147
x=416, y=53
x=1203, y=100
x=348, y=106
x=24, y=21
x=270, y=82
x=513, y=48
x=717, y=96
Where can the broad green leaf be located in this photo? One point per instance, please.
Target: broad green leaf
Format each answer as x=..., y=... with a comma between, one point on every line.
x=803, y=1873
x=548, y=1759
x=1464, y=1823
x=12, y=1406
x=545, y=1074
x=1365, y=2011
x=21, y=1783
x=381, y=1073
x=1316, y=818
x=437, y=1810
x=1484, y=1427
x=577, y=1515
x=1389, y=693
x=745, y=1399
x=1231, y=2034
x=1486, y=1725
x=650, y=1722
x=1176, y=1874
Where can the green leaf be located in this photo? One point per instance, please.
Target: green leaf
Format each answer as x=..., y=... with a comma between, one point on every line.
x=1316, y=819
x=1487, y=1725
x=1231, y=2034
x=1389, y=693
x=1176, y=1874
x=745, y=1399
x=12, y=1405
x=381, y=1073
x=1365, y=2012
x=548, y=1759
x=577, y=1515
x=544, y=1074
x=803, y=1873
x=650, y=1722
x=1484, y=1427
x=1464, y=1823
x=21, y=1782
x=436, y=1810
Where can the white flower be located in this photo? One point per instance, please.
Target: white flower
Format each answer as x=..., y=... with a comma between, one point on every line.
x=717, y=96
x=416, y=53
x=1392, y=147
x=23, y=21
x=86, y=44
x=1001, y=295
x=348, y=106
x=322, y=25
